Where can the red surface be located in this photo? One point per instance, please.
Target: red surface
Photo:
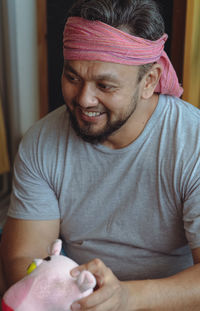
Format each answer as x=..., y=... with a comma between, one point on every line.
x=5, y=307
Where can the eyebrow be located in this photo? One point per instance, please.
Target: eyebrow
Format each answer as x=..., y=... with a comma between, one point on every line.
x=68, y=67
x=100, y=77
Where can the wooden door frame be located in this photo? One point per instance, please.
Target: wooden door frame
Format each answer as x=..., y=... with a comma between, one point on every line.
x=42, y=56
x=191, y=71
x=178, y=36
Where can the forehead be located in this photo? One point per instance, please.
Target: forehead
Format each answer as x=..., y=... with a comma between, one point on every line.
x=101, y=70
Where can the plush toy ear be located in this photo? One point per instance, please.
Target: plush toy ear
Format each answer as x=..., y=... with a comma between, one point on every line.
x=55, y=248
x=85, y=281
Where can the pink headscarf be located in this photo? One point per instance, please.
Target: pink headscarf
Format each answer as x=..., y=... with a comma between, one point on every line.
x=94, y=40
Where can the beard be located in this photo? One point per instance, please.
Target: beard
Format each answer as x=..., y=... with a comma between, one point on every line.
x=110, y=127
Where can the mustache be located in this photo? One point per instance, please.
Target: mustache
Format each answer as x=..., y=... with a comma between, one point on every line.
x=99, y=108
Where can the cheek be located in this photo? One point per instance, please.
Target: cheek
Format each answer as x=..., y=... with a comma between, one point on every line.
x=65, y=87
x=68, y=91
x=118, y=102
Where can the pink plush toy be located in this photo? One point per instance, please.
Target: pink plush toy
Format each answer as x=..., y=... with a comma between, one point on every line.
x=49, y=285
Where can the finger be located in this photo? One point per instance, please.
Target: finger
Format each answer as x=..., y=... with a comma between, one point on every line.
x=95, y=300
x=110, y=304
x=93, y=266
x=96, y=267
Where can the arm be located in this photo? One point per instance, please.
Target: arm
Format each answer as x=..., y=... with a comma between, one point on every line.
x=177, y=293
x=22, y=241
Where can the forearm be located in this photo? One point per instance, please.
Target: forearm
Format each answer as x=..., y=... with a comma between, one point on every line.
x=15, y=269
x=177, y=293
x=22, y=241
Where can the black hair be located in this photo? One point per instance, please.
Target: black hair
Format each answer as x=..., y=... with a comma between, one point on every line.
x=141, y=18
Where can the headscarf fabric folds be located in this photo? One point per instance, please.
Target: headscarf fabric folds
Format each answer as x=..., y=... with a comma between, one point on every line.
x=97, y=41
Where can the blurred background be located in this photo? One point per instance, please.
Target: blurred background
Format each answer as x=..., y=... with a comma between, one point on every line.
x=31, y=65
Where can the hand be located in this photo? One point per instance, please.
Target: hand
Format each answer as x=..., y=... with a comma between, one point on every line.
x=110, y=295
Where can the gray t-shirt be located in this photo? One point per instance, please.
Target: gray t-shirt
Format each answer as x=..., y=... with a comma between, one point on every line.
x=136, y=208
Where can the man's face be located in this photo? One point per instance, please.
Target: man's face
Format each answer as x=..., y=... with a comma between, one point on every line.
x=101, y=97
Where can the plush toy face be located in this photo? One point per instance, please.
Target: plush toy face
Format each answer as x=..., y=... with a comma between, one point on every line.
x=49, y=285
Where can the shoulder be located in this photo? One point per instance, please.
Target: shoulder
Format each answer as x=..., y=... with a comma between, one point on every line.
x=180, y=107
x=43, y=148
x=53, y=120
x=48, y=129
x=180, y=114
x=180, y=122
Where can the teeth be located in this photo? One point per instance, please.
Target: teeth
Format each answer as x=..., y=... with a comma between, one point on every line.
x=91, y=114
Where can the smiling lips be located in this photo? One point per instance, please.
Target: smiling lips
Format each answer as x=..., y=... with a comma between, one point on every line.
x=90, y=115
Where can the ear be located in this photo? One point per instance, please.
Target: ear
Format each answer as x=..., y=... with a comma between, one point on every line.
x=55, y=248
x=86, y=281
x=150, y=80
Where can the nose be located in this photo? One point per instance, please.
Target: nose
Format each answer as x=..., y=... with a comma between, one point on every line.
x=87, y=96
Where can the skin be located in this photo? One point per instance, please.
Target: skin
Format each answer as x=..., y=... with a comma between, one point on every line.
x=112, y=90
x=177, y=293
x=22, y=241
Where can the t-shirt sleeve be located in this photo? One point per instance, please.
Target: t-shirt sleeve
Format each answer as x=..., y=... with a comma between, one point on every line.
x=33, y=196
x=191, y=205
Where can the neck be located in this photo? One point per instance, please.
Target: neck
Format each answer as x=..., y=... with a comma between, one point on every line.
x=130, y=131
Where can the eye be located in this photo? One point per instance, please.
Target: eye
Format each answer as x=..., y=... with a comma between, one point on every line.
x=71, y=78
x=48, y=258
x=106, y=87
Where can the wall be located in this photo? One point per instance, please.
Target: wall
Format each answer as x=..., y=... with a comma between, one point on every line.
x=26, y=49
x=20, y=74
x=18, y=79
x=191, y=80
